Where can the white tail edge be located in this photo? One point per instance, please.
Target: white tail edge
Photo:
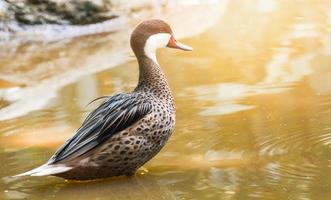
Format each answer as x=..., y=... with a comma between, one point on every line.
x=45, y=170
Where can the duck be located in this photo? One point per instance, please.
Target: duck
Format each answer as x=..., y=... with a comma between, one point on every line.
x=128, y=129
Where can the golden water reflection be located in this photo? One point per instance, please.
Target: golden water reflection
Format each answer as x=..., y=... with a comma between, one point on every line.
x=253, y=114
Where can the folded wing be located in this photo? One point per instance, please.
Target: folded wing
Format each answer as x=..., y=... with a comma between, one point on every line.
x=112, y=116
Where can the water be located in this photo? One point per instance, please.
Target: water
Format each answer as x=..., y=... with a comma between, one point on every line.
x=253, y=113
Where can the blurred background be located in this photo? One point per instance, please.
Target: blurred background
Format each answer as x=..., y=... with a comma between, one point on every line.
x=253, y=99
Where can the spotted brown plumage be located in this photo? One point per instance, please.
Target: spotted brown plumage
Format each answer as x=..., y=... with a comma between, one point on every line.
x=126, y=130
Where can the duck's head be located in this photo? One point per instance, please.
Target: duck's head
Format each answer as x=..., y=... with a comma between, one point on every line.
x=150, y=35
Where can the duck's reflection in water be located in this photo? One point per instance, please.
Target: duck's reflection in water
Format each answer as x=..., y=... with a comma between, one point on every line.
x=121, y=188
x=139, y=187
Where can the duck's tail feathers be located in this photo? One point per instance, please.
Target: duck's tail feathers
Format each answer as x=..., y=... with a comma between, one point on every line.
x=46, y=170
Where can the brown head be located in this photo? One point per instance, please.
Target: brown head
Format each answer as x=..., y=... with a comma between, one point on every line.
x=150, y=35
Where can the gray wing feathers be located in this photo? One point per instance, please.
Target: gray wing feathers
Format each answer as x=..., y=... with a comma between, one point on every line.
x=112, y=116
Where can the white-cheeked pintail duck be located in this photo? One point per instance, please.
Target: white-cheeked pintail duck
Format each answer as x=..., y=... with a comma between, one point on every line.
x=126, y=130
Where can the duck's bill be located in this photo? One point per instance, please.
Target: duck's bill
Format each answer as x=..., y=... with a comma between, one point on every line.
x=173, y=43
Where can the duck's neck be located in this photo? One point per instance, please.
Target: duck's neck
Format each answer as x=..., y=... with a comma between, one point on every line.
x=152, y=79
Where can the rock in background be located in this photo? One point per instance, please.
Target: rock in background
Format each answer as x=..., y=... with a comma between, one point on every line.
x=51, y=20
x=33, y=12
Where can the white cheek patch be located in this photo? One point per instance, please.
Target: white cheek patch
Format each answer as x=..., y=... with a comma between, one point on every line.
x=154, y=42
